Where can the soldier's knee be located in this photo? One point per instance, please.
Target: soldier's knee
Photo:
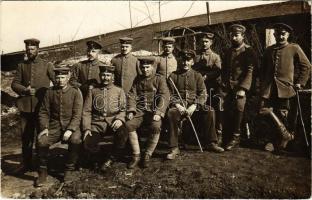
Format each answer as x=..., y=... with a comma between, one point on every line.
x=155, y=128
x=75, y=138
x=43, y=141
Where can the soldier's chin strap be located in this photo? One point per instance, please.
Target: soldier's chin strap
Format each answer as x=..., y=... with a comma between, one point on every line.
x=187, y=116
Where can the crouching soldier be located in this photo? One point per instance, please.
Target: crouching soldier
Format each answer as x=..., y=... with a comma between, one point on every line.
x=104, y=113
x=147, y=103
x=59, y=119
x=191, y=87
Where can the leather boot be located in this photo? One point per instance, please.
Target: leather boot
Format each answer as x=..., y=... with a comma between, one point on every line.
x=42, y=176
x=215, y=148
x=135, y=161
x=233, y=143
x=146, y=161
x=173, y=153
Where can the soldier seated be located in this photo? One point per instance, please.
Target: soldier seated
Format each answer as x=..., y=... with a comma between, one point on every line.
x=147, y=104
x=59, y=119
x=190, y=86
x=104, y=113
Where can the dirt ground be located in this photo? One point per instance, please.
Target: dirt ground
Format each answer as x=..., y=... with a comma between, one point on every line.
x=242, y=173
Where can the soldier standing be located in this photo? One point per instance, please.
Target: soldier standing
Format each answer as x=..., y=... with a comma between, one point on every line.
x=167, y=63
x=191, y=87
x=59, y=119
x=279, y=79
x=147, y=103
x=32, y=78
x=86, y=73
x=126, y=65
x=104, y=113
x=208, y=64
x=239, y=63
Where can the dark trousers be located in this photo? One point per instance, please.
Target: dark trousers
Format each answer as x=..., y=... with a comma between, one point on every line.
x=29, y=127
x=205, y=118
x=234, y=109
x=91, y=143
x=215, y=100
x=55, y=135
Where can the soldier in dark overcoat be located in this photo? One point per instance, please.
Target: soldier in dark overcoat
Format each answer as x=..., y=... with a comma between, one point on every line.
x=191, y=87
x=285, y=69
x=104, y=114
x=126, y=65
x=239, y=62
x=85, y=74
x=208, y=64
x=31, y=81
x=147, y=103
x=166, y=62
x=59, y=119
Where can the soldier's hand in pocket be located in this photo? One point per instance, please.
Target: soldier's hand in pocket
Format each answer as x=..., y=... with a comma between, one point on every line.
x=86, y=133
x=117, y=123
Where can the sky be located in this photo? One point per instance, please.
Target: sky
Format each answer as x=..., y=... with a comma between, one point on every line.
x=54, y=22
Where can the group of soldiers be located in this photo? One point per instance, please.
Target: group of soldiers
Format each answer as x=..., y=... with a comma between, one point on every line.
x=94, y=99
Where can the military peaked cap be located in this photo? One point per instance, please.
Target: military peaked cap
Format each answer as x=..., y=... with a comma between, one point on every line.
x=125, y=40
x=61, y=70
x=168, y=40
x=106, y=68
x=149, y=60
x=237, y=28
x=32, y=42
x=93, y=45
x=283, y=26
x=208, y=35
x=188, y=54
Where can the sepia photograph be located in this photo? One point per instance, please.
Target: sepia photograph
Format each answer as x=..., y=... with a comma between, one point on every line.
x=155, y=99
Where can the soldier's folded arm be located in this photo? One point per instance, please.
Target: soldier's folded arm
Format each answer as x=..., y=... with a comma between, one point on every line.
x=304, y=66
x=77, y=111
x=17, y=82
x=245, y=84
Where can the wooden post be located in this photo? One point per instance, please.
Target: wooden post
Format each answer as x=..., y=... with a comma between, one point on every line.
x=208, y=12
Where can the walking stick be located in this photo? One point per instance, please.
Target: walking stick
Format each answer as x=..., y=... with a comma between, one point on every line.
x=301, y=118
x=188, y=117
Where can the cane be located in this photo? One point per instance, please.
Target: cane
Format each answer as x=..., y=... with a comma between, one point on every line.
x=188, y=117
x=301, y=118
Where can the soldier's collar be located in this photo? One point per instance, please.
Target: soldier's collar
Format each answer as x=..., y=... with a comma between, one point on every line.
x=107, y=86
x=168, y=56
x=276, y=46
x=95, y=62
x=207, y=52
x=241, y=47
x=61, y=89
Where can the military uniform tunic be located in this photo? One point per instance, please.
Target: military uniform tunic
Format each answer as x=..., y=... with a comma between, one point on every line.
x=37, y=74
x=192, y=89
x=279, y=66
x=148, y=96
x=104, y=105
x=126, y=69
x=61, y=110
x=86, y=73
x=166, y=64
